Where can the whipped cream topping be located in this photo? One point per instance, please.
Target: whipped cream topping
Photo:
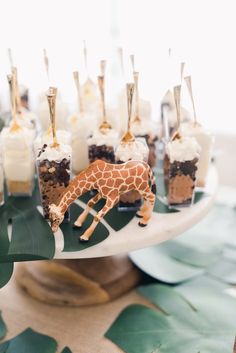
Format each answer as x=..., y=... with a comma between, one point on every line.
x=55, y=153
x=136, y=150
x=109, y=137
x=63, y=137
x=184, y=149
x=17, y=139
x=18, y=158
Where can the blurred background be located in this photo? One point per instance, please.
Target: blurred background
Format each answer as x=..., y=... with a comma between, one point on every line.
x=199, y=33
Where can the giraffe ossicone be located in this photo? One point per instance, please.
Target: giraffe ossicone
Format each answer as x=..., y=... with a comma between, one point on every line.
x=110, y=181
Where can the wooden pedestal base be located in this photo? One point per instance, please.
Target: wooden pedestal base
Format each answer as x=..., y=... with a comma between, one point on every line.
x=78, y=282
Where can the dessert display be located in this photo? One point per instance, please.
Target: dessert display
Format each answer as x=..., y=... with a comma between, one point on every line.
x=80, y=126
x=102, y=142
x=17, y=149
x=183, y=154
x=53, y=164
x=144, y=128
x=102, y=176
x=131, y=148
x=203, y=137
x=1, y=184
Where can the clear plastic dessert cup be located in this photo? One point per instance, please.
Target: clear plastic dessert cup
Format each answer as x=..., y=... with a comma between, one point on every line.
x=18, y=160
x=54, y=171
x=102, y=144
x=126, y=151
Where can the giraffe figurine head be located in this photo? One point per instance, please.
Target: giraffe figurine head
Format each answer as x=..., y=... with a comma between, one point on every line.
x=55, y=217
x=111, y=181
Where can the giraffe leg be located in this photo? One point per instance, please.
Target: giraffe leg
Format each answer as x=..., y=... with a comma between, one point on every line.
x=149, y=198
x=108, y=205
x=142, y=210
x=80, y=220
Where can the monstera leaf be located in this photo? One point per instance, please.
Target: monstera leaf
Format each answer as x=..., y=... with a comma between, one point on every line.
x=31, y=342
x=3, y=328
x=202, y=322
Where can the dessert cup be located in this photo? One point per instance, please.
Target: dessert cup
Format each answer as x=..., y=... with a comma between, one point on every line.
x=205, y=140
x=126, y=151
x=54, y=170
x=18, y=160
x=183, y=154
x=102, y=144
x=80, y=126
x=147, y=130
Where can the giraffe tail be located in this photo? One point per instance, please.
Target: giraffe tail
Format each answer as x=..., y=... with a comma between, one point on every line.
x=152, y=180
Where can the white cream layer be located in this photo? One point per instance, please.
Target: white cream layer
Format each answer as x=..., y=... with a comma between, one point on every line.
x=206, y=141
x=56, y=153
x=17, y=154
x=184, y=149
x=108, y=138
x=136, y=150
x=63, y=137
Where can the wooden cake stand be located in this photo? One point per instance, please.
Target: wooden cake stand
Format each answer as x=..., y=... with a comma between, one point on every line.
x=103, y=272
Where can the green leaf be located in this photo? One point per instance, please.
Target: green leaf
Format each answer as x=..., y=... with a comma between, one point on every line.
x=29, y=341
x=6, y=271
x=136, y=329
x=157, y=263
x=188, y=322
x=3, y=328
x=66, y=350
x=32, y=238
x=71, y=235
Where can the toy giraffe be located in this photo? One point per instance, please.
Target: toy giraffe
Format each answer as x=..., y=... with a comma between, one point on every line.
x=110, y=180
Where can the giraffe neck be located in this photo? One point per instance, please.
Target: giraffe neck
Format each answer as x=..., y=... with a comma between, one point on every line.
x=77, y=187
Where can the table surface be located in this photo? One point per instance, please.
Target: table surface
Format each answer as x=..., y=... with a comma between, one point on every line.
x=81, y=329
x=161, y=227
